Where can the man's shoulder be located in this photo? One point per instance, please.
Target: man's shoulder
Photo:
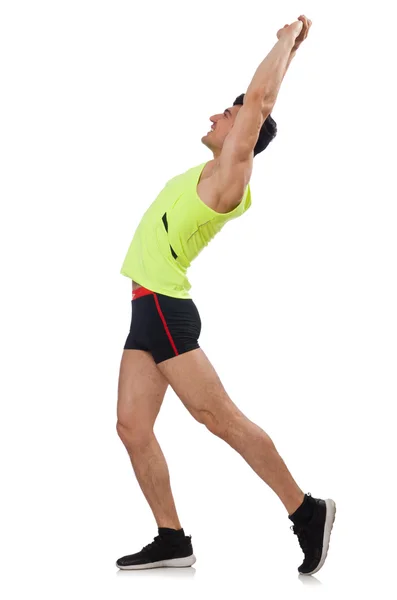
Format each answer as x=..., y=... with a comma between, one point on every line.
x=186, y=174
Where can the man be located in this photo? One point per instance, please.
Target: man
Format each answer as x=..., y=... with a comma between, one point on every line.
x=162, y=346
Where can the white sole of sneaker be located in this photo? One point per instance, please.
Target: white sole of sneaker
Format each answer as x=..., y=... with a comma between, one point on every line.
x=186, y=561
x=329, y=522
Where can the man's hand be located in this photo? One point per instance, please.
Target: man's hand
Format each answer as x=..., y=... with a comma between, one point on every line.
x=299, y=30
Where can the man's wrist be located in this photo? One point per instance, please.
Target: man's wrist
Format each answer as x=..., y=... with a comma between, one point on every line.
x=287, y=41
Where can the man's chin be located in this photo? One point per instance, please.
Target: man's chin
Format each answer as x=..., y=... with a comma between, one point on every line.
x=204, y=140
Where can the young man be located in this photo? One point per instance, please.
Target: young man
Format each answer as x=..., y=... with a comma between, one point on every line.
x=162, y=346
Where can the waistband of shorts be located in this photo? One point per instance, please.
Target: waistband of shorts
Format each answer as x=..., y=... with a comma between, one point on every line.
x=142, y=291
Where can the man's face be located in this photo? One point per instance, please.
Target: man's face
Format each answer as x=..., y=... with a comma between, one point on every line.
x=222, y=124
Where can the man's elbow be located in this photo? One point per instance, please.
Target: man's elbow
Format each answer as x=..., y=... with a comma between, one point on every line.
x=262, y=99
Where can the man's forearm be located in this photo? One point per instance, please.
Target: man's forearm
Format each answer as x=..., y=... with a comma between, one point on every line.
x=270, y=73
x=291, y=56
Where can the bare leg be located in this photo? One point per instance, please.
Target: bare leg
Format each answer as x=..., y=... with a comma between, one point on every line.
x=152, y=473
x=140, y=394
x=195, y=381
x=259, y=451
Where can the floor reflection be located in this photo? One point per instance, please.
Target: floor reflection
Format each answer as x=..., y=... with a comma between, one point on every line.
x=309, y=580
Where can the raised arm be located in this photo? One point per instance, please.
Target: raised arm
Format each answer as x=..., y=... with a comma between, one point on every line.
x=263, y=90
x=236, y=158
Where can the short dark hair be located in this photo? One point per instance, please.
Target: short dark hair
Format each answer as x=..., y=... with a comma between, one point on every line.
x=268, y=131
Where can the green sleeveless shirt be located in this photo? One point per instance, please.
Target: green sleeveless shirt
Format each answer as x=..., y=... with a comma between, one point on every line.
x=172, y=232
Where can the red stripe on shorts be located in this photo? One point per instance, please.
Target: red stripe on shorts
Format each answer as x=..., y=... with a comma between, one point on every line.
x=165, y=325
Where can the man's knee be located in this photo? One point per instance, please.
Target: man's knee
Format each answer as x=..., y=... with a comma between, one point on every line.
x=208, y=419
x=133, y=434
x=221, y=425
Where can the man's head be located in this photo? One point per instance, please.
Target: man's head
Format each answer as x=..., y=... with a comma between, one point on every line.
x=223, y=123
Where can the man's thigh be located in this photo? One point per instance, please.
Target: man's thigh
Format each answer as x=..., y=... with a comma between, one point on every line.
x=195, y=381
x=141, y=390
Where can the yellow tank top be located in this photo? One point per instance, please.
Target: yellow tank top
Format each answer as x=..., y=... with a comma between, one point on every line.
x=173, y=231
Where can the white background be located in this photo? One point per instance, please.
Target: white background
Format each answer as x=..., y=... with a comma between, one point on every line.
x=102, y=103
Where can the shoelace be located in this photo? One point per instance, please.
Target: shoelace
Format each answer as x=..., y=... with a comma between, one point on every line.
x=302, y=532
x=156, y=542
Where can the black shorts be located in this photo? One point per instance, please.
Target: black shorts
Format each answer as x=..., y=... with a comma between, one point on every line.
x=162, y=325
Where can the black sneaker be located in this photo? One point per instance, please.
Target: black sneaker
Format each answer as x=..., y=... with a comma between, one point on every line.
x=314, y=533
x=177, y=552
